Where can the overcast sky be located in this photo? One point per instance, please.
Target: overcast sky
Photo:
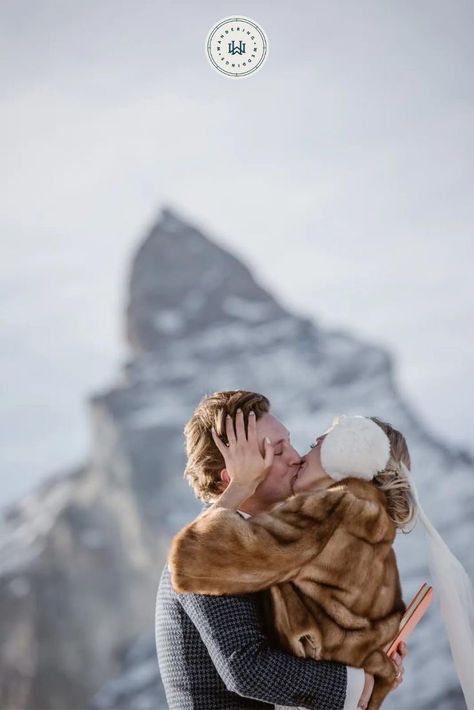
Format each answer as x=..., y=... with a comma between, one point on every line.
x=342, y=172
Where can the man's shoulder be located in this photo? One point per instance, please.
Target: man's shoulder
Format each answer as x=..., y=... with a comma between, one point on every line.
x=166, y=595
x=232, y=617
x=165, y=588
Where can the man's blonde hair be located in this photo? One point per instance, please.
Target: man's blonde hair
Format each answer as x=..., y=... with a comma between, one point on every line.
x=205, y=462
x=393, y=482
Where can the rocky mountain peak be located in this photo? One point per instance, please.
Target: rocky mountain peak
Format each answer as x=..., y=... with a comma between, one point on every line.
x=181, y=282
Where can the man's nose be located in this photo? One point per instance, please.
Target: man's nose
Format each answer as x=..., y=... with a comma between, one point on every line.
x=294, y=457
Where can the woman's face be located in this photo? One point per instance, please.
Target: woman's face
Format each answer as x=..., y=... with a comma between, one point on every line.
x=311, y=474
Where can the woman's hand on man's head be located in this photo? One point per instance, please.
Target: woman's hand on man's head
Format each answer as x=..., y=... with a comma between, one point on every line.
x=244, y=463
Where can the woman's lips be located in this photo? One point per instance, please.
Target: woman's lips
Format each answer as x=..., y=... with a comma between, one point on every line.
x=293, y=481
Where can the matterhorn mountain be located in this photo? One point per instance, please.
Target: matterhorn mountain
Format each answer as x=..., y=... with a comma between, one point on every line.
x=81, y=555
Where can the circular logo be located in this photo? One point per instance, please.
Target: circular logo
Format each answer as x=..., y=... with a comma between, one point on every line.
x=236, y=46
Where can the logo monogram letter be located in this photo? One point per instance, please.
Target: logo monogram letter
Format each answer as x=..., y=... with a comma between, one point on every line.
x=233, y=49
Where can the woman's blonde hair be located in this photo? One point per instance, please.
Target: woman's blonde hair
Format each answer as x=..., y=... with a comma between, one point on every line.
x=393, y=482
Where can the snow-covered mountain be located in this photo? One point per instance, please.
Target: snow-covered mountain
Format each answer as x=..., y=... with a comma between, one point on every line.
x=81, y=556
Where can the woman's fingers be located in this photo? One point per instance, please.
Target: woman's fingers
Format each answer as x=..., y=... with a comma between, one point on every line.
x=240, y=426
x=398, y=662
x=397, y=682
x=402, y=649
x=220, y=444
x=236, y=435
x=229, y=430
x=239, y=434
x=252, y=429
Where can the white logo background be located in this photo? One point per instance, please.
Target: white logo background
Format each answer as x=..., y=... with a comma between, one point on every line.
x=236, y=46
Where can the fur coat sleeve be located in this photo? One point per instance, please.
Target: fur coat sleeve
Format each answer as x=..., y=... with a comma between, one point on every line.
x=222, y=553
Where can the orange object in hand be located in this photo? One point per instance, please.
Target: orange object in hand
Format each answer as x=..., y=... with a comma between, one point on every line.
x=414, y=612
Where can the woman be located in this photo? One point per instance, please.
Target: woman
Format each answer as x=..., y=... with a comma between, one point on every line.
x=325, y=555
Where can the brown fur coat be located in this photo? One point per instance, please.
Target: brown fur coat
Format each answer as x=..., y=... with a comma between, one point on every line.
x=327, y=561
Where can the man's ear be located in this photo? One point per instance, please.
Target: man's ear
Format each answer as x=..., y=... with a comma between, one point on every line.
x=225, y=478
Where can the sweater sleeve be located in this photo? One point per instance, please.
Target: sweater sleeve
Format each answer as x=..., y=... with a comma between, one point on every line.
x=355, y=687
x=232, y=630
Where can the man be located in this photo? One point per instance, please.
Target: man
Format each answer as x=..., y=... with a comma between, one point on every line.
x=213, y=651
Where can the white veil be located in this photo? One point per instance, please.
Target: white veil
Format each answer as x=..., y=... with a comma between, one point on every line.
x=456, y=598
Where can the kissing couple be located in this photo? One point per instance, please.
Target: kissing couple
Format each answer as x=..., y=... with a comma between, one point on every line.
x=285, y=590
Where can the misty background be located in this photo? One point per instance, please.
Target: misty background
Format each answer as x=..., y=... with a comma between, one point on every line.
x=341, y=172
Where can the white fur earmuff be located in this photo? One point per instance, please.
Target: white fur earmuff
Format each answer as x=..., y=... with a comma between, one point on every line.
x=354, y=446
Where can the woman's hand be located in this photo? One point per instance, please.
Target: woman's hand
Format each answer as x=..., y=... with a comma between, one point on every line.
x=243, y=460
x=397, y=658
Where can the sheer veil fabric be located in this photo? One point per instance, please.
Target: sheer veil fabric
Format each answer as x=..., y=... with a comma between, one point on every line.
x=456, y=598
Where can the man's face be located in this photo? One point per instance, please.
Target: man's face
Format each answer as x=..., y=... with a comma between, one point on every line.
x=277, y=485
